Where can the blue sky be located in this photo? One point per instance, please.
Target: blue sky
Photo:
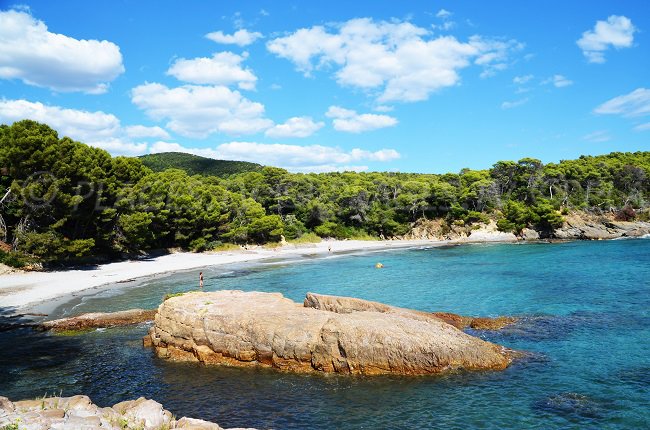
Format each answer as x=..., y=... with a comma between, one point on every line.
x=408, y=86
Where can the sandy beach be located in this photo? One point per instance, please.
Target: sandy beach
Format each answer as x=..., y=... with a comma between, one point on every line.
x=21, y=291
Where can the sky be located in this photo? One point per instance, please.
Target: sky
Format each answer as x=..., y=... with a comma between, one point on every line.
x=411, y=86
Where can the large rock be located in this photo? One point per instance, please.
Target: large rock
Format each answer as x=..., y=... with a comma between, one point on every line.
x=346, y=305
x=267, y=329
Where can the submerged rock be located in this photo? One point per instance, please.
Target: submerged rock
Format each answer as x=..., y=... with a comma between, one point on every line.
x=78, y=412
x=570, y=404
x=326, y=334
x=100, y=320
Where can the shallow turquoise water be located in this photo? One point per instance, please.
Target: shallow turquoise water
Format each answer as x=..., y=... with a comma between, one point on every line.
x=586, y=319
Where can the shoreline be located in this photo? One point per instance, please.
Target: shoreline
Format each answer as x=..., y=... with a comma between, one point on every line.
x=22, y=292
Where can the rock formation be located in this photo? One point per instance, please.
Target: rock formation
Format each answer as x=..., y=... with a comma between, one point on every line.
x=78, y=412
x=584, y=226
x=100, y=319
x=267, y=329
x=346, y=305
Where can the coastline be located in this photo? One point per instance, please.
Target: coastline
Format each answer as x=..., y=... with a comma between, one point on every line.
x=21, y=292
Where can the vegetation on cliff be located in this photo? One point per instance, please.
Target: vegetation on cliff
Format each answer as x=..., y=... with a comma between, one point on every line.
x=63, y=200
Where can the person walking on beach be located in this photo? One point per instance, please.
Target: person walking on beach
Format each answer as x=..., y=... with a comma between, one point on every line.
x=200, y=279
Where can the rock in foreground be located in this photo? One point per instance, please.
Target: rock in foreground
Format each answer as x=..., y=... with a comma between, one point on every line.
x=78, y=412
x=253, y=328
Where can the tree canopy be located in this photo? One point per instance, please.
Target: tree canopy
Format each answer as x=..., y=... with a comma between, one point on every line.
x=68, y=200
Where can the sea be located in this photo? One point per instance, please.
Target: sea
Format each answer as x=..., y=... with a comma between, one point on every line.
x=584, y=323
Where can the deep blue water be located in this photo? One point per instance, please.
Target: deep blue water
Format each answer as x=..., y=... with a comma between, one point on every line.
x=585, y=309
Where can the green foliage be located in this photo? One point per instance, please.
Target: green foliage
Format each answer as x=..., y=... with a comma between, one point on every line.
x=196, y=165
x=69, y=201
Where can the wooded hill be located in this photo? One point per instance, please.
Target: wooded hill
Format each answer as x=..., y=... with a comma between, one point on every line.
x=196, y=165
x=68, y=200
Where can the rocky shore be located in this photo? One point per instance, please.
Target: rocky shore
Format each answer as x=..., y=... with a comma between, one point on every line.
x=78, y=412
x=324, y=334
x=576, y=226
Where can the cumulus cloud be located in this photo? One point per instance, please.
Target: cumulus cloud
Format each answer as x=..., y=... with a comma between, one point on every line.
x=143, y=131
x=397, y=61
x=312, y=158
x=443, y=13
x=241, y=37
x=198, y=111
x=350, y=121
x=513, y=104
x=295, y=127
x=597, y=136
x=616, y=32
x=223, y=68
x=636, y=103
x=29, y=52
x=559, y=81
x=98, y=129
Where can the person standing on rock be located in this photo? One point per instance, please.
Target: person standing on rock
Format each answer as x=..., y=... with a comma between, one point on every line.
x=200, y=279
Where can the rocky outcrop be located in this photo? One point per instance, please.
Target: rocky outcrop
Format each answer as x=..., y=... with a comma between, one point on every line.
x=78, y=412
x=267, y=329
x=100, y=320
x=438, y=229
x=591, y=227
x=346, y=305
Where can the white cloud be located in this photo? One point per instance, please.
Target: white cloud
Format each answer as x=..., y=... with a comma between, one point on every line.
x=312, y=158
x=384, y=108
x=198, y=111
x=350, y=121
x=223, y=68
x=94, y=128
x=29, y=52
x=443, y=13
x=397, y=61
x=642, y=127
x=559, y=81
x=295, y=127
x=514, y=103
x=597, y=136
x=143, y=131
x=241, y=37
x=636, y=103
x=520, y=80
x=617, y=32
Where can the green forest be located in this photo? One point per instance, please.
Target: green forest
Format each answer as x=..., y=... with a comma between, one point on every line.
x=65, y=202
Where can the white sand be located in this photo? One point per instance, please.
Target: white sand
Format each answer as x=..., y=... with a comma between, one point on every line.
x=20, y=291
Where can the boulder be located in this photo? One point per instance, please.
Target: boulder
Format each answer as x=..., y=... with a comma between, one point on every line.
x=341, y=335
x=100, y=320
x=529, y=234
x=347, y=305
x=78, y=412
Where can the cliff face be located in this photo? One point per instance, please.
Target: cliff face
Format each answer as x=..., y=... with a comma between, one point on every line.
x=253, y=328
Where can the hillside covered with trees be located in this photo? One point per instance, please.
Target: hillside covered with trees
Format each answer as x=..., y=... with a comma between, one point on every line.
x=64, y=201
x=195, y=165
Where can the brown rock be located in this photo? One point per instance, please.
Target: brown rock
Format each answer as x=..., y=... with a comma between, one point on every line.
x=483, y=323
x=264, y=329
x=100, y=320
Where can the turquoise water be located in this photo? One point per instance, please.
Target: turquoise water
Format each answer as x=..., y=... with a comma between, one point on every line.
x=585, y=309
